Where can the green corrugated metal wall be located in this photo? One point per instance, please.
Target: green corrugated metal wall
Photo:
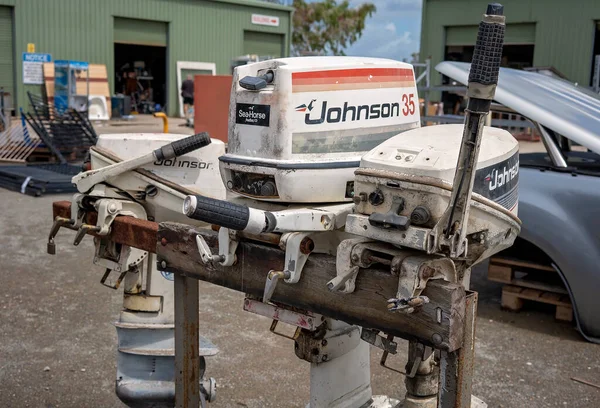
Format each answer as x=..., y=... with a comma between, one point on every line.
x=198, y=30
x=564, y=31
x=6, y=51
x=263, y=44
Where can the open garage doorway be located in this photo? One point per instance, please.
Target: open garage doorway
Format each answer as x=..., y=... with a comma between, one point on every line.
x=517, y=53
x=140, y=57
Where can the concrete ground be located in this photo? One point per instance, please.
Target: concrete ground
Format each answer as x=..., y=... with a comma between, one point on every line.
x=57, y=345
x=58, y=341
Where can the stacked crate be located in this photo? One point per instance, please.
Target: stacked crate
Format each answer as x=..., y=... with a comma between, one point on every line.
x=530, y=281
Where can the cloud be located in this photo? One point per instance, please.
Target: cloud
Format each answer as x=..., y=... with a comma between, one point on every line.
x=391, y=47
x=401, y=5
x=392, y=5
x=393, y=31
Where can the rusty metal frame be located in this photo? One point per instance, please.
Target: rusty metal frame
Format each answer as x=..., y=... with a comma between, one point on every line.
x=456, y=365
x=456, y=368
x=130, y=231
x=187, y=342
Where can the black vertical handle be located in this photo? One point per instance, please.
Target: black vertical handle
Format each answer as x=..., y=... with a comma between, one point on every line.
x=485, y=66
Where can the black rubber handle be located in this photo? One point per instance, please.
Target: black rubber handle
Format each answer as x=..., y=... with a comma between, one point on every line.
x=183, y=146
x=488, y=48
x=219, y=212
x=189, y=144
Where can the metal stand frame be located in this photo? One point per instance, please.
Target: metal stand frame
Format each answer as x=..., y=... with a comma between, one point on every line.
x=174, y=243
x=187, y=342
x=455, y=371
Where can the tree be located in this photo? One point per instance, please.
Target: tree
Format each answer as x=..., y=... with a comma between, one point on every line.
x=327, y=26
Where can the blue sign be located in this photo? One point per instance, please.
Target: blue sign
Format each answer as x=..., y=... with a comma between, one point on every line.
x=77, y=65
x=35, y=57
x=33, y=73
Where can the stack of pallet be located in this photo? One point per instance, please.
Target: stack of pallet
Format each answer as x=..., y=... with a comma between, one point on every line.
x=530, y=281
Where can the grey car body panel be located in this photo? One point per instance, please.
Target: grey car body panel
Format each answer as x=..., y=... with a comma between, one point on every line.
x=560, y=210
x=570, y=110
x=561, y=216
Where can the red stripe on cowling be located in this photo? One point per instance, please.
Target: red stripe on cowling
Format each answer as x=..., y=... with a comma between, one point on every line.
x=357, y=72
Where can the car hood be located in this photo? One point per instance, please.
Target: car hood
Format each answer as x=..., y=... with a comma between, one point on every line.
x=559, y=105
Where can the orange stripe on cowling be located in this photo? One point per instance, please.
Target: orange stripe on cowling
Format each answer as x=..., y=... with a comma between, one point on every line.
x=356, y=72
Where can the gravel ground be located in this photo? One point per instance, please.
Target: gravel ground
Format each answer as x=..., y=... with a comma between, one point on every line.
x=58, y=339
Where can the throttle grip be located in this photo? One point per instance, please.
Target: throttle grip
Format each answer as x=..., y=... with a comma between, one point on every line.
x=182, y=146
x=219, y=212
x=485, y=66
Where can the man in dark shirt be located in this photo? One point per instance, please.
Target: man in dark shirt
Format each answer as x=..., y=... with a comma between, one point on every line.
x=187, y=92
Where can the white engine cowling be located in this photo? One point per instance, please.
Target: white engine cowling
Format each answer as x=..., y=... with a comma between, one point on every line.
x=410, y=178
x=300, y=138
x=197, y=171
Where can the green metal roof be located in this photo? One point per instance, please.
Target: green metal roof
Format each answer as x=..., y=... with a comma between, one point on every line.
x=256, y=3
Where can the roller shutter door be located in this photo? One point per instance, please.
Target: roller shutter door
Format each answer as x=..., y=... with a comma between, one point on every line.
x=515, y=34
x=7, y=65
x=140, y=32
x=263, y=44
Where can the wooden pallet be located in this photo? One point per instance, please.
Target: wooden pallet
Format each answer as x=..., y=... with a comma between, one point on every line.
x=513, y=297
x=523, y=282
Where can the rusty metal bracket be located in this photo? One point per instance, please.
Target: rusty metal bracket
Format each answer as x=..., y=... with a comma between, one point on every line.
x=274, y=326
x=58, y=223
x=294, y=317
x=384, y=357
x=83, y=230
x=427, y=352
x=386, y=344
x=117, y=283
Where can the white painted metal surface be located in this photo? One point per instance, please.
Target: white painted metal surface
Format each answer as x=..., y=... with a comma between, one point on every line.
x=432, y=151
x=570, y=110
x=197, y=171
x=329, y=389
x=317, y=117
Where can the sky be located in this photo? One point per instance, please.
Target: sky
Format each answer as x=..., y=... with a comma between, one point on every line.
x=393, y=31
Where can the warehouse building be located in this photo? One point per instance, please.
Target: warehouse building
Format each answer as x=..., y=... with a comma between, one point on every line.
x=557, y=34
x=156, y=42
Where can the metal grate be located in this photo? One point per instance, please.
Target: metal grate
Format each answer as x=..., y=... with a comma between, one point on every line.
x=68, y=135
x=17, y=142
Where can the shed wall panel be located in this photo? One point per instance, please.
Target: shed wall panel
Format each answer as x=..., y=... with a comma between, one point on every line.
x=564, y=32
x=7, y=56
x=198, y=30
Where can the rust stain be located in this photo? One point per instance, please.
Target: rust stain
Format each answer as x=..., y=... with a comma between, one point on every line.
x=307, y=246
x=130, y=231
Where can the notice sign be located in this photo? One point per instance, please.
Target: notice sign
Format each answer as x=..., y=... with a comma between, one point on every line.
x=265, y=20
x=33, y=73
